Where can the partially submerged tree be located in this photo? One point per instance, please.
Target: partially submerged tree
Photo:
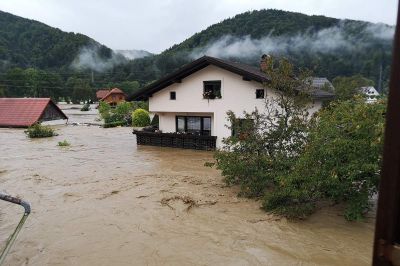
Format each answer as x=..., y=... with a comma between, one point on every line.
x=340, y=163
x=265, y=144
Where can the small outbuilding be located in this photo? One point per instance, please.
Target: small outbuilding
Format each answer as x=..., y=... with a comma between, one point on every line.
x=113, y=97
x=24, y=112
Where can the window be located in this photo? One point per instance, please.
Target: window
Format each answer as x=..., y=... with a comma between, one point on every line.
x=260, y=93
x=212, y=89
x=172, y=95
x=196, y=125
x=242, y=127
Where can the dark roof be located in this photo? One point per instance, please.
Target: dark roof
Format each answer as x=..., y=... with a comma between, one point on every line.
x=322, y=88
x=24, y=112
x=248, y=73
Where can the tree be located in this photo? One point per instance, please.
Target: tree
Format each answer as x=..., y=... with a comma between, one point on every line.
x=347, y=87
x=264, y=145
x=81, y=90
x=340, y=163
x=140, y=118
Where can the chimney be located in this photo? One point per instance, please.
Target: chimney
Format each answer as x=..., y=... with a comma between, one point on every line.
x=264, y=62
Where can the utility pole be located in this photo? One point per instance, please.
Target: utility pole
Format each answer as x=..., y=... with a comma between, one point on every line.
x=380, y=79
x=92, y=77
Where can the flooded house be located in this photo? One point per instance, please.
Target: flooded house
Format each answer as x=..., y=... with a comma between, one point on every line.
x=24, y=112
x=111, y=96
x=192, y=102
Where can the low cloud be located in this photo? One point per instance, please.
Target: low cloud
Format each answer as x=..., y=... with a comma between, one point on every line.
x=327, y=40
x=90, y=57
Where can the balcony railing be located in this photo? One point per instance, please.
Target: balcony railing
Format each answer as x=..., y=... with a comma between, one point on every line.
x=175, y=140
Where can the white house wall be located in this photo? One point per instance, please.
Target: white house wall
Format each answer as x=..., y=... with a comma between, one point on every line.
x=237, y=95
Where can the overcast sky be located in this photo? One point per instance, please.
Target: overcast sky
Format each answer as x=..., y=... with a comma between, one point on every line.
x=155, y=25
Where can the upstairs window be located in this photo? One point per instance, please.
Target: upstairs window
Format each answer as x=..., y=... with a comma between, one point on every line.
x=260, y=94
x=212, y=89
x=172, y=95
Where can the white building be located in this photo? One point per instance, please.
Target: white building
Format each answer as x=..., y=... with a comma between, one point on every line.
x=196, y=98
x=370, y=92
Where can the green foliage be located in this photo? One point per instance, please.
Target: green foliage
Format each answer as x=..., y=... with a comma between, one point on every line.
x=104, y=109
x=140, y=118
x=114, y=124
x=85, y=107
x=269, y=142
x=340, y=163
x=39, y=131
x=368, y=54
x=64, y=143
x=120, y=115
x=295, y=161
x=26, y=43
x=347, y=87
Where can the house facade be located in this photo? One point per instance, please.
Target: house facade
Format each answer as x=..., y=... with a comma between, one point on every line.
x=195, y=99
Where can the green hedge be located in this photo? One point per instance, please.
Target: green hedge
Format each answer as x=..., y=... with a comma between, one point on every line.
x=114, y=124
x=39, y=131
x=140, y=118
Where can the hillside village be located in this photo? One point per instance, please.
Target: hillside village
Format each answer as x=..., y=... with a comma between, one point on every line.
x=202, y=154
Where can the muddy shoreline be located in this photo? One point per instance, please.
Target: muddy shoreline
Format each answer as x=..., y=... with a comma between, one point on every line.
x=105, y=201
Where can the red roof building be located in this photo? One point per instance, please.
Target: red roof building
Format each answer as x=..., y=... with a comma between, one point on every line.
x=114, y=96
x=101, y=93
x=24, y=112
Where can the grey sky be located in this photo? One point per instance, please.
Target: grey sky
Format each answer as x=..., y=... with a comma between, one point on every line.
x=155, y=25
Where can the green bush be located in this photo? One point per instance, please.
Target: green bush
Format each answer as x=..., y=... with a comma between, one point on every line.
x=140, y=118
x=64, y=143
x=340, y=163
x=114, y=124
x=104, y=109
x=39, y=131
x=85, y=107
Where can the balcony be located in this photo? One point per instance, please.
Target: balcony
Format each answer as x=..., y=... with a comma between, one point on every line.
x=175, y=140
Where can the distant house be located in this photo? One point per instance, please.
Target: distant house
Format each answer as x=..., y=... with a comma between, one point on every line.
x=193, y=101
x=370, y=92
x=24, y=112
x=112, y=96
x=101, y=93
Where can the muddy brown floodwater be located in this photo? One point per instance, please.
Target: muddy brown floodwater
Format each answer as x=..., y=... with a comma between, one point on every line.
x=106, y=201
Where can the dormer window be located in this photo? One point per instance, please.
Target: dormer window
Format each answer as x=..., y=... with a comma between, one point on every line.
x=212, y=89
x=260, y=93
x=172, y=95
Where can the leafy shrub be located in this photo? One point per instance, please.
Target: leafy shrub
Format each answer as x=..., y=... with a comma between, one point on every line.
x=104, y=109
x=85, y=107
x=140, y=118
x=114, y=124
x=64, y=143
x=121, y=113
x=39, y=131
x=341, y=162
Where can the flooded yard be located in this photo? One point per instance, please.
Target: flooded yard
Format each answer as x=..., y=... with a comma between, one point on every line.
x=105, y=201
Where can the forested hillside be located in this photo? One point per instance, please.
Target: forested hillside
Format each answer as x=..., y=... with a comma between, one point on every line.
x=28, y=43
x=328, y=46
